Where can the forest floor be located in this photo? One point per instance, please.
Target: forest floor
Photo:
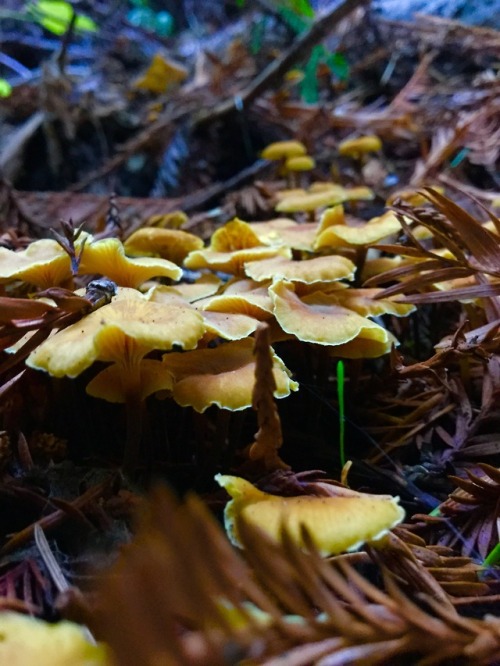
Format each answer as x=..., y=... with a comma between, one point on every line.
x=135, y=182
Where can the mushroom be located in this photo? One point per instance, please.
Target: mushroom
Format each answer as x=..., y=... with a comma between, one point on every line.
x=241, y=296
x=282, y=150
x=231, y=247
x=44, y=263
x=310, y=202
x=206, y=285
x=28, y=640
x=298, y=164
x=171, y=244
x=358, y=237
x=360, y=146
x=107, y=257
x=287, y=232
x=223, y=376
x=316, y=318
x=321, y=195
x=334, y=524
x=122, y=333
x=308, y=271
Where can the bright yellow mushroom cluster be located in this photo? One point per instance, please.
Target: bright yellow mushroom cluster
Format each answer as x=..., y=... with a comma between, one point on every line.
x=193, y=341
x=303, y=295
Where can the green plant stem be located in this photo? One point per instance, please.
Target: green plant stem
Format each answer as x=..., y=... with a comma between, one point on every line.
x=493, y=557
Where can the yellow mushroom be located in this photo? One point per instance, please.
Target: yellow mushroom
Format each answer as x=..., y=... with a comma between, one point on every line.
x=171, y=244
x=360, y=146
x=27, y=640
x=282, y=150
x=231, y=247
x=335, y=524
x=223, y=376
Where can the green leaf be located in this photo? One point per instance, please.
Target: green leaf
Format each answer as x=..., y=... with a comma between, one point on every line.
x=293, y=20
x=309, y=84
x=302, y=7
x=5, y=88
x=338, y=65
x=55, y=16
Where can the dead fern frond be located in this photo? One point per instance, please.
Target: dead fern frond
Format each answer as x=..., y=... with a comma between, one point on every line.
x=472, y=251
x=268, y=438
x=468, y=520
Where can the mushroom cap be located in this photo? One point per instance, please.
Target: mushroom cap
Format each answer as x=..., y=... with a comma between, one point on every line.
x=335, y=524
x=364, y=302
x=370, y=143
x=241, y=296
x=128, y=326
x=283, y=149
x=43, y=263
x=316, y=319
x=171, y=244
x=308, y=271
x=223, y=376
x=311, y=200
x=343, y=235
x=28, y=640
x=206, y=285
x=107, y=257
x=229, y=326
x=284, y=231
x=231, y=247
x=300, y=163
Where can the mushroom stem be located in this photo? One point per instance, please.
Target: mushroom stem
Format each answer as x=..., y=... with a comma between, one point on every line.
x=134, y=406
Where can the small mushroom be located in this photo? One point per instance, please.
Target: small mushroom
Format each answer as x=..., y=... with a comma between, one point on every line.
x=334, y=524
x=160, y=75
x=280, y=150
x=296, y=165
x=359, y=147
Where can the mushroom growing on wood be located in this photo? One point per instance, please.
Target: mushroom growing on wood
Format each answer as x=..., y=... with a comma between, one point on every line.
x=334, y=524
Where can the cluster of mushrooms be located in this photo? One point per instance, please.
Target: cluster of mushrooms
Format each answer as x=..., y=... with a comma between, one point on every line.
x=193, y=339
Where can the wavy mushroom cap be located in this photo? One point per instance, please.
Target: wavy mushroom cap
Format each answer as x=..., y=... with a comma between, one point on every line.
x=335, y=524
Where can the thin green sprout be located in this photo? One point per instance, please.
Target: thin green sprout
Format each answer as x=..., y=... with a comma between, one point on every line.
x=493, y=557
